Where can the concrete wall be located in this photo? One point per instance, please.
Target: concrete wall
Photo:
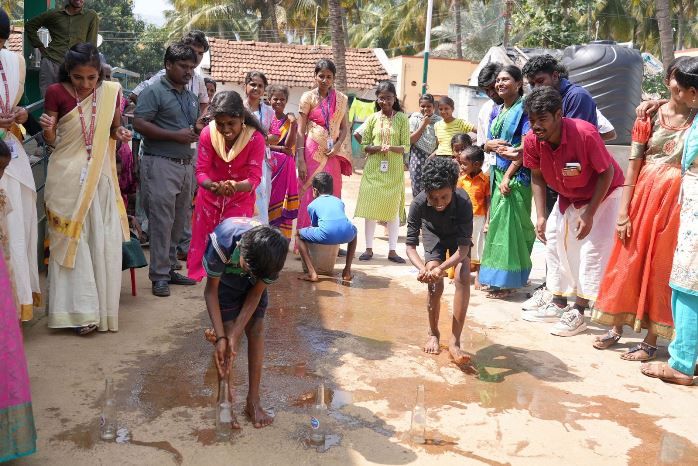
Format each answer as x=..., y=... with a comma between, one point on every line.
x=442, y=73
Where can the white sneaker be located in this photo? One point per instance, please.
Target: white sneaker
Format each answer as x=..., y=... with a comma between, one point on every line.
x=571, y=323
x=547, y=313
x=539, y=299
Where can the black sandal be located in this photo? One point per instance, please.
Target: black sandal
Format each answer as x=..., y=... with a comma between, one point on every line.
x=86, y=330
x=366, y=256
x=642, y=346
x=609, y=339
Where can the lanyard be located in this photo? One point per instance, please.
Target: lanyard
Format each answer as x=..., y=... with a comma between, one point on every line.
x=326, y=113
x=186, y=110
x=5, y=106
x=88, y=137
x=385, y=134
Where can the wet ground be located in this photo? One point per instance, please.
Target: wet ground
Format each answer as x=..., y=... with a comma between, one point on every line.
x=528, y=397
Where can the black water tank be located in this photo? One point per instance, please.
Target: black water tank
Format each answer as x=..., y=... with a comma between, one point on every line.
x=613, y=75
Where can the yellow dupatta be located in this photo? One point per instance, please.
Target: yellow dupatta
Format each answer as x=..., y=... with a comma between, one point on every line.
x=67, y=201
x=218, y=142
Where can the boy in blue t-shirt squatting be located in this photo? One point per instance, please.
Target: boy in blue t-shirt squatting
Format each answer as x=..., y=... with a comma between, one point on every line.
x=330, y=225
x=241, y=259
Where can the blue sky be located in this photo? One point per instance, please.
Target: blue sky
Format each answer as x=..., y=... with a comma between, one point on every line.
x=151, y=10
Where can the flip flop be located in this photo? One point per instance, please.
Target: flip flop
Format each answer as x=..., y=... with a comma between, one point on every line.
x=664, y=374
x=498, y=294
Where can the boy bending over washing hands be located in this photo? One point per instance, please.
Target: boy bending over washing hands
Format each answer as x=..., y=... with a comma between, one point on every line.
x=242, y=258
x=444, y=215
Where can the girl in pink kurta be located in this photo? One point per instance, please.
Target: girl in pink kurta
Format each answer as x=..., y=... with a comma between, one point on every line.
x=228, y=169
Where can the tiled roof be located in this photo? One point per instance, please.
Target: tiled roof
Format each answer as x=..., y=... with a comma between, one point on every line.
x=15, y=42
x=289, y=64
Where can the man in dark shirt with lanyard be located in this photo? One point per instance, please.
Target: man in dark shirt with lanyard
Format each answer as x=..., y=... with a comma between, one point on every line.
x=167, y=115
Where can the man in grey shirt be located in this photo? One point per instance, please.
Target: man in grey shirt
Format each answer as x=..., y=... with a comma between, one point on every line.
x=167, y=116
x=197, y=41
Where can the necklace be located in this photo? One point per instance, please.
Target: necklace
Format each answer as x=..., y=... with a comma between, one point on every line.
x=88, y=137
x=685, y=121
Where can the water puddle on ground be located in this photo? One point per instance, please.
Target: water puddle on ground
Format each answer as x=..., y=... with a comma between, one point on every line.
x=314, y=326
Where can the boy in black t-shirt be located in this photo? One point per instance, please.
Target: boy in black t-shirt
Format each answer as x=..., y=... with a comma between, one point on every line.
x=242, y=257
x=444, y=215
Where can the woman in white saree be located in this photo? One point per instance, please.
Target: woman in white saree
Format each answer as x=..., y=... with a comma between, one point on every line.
x=85, y=213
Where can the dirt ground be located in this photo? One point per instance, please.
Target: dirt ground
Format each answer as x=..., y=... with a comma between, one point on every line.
x=530, y=397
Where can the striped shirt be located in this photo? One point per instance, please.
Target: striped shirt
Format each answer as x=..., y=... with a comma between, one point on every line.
x=445, y=131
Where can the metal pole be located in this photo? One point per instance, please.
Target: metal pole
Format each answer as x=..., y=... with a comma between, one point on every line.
x=317, y=9
x=427, y=46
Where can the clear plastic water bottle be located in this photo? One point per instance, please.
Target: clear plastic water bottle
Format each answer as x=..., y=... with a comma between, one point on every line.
x=419, y=418
x=224, y=413
x=107, y=421
x=318, y=419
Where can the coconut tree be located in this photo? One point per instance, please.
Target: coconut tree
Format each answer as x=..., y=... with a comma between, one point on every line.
x=246, y=19
x=666, y=33
x=338, y=45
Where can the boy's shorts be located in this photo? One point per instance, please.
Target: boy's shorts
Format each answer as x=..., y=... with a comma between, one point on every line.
x=332, y=234
x=436, y=249
x=232, y=292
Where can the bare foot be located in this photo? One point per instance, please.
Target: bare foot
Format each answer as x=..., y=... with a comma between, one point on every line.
x=309, y=277
x=477, y=284
x=257, y=415
x=458, y=355
x=346, y=275
x=432, y=345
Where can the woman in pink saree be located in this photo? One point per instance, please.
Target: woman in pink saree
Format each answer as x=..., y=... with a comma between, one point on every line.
x=283, y=203
x=17, y=433
x=322, y=142
x=228, y=169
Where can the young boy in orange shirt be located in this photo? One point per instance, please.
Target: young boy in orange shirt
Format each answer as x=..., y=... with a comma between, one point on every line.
x=477, y=184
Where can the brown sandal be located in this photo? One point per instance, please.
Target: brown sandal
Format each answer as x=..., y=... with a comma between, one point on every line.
x=664, y=372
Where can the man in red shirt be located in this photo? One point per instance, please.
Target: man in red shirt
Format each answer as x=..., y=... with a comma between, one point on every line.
x=569, y=156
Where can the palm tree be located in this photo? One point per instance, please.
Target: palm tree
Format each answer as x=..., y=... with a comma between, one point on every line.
x=247, y=19
x=338, y=45
x=14, y=9
x=485, y=30
x=459, y=31
x=666, y=34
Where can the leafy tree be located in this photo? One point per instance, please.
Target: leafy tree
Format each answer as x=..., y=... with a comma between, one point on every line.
x=128, y=42
x=14, y=9
x=536, y=24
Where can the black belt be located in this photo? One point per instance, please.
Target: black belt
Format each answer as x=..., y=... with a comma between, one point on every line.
x=172, y=159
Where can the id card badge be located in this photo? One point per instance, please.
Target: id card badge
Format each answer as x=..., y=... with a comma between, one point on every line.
x=12, y=145
x=330, y=145
x=384, y=166
x=83, y=175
